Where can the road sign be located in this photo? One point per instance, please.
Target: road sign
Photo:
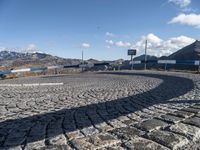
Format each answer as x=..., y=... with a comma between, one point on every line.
x=132, y=52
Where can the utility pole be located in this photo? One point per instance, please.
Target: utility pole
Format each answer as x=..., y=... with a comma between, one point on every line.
x=82, y=61
x=145, y=57
x=82, y=56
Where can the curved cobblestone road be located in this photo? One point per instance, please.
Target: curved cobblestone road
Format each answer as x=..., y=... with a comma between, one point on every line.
x=108, y=110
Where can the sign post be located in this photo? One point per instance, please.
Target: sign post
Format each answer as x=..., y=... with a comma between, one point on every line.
x=131, y=52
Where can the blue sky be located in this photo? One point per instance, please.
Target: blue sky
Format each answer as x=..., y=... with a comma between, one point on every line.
x=104, y=29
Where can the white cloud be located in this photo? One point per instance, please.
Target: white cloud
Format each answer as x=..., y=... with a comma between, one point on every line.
x=109, y=42
x=109, y=34
x=159, y=47
x=156, y=45
x=31, y=47
x=153, y=38
x=180, y=3
x=117, y=44
x=122, y=44
x=86, y=45
x=2, y=48
x=108, y=46
x=187, y=19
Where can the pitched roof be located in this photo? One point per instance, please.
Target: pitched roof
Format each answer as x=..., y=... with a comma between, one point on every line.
x=190, y=52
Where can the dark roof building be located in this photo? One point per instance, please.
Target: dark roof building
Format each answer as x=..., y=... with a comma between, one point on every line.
x=190, y=52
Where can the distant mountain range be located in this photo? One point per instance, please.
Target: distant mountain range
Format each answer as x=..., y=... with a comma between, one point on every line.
x=17, y=59
x=12, y=59
x=11, y=55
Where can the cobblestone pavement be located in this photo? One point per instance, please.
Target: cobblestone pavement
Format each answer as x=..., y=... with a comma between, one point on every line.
x=140, y=110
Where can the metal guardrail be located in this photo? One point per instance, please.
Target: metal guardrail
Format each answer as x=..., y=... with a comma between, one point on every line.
x=179, y=62
x=5, y=72
x=166, y=62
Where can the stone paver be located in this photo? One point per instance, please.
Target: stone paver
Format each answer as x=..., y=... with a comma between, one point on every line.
x=189, y=131
x=143, y=144
x=127, y=132
x=193, y=121
x=171, y=118
x=104, y=111
x=191, y=109
x=183, y=114
x=169, y=139
x=95, y=142
x=152, y=124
